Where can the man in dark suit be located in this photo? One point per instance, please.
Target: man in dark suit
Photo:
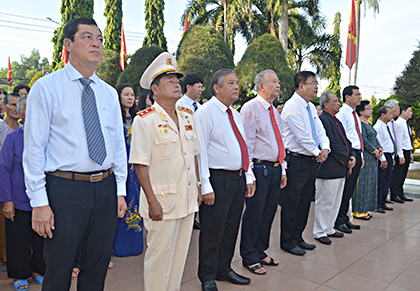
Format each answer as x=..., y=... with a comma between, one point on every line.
x=331, y=175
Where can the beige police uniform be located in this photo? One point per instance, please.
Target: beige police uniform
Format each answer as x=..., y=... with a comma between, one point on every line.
x=169, y=152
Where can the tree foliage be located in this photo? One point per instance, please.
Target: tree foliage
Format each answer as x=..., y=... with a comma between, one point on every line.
x=23, y=73
x=154, y=23
x=407, y=85
x=264, y=53
x=112, y=32
x=202, y=51
x=70, y=9
x=109, y=68
x=139, y=62
x=333, y=71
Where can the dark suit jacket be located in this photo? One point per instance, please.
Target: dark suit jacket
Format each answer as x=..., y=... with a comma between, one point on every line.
x=335, y=166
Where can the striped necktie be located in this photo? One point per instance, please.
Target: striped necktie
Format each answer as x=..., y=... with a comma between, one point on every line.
x=94, y=136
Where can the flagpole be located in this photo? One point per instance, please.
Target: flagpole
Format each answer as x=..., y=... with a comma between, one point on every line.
x=351, y=45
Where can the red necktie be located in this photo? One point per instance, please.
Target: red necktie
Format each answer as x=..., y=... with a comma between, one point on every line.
x=358, y=130
x=242, y=144
x=278, y=135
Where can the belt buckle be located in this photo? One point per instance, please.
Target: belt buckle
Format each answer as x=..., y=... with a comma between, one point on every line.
x=241, y=172
x=276, y=164
x=96, y=177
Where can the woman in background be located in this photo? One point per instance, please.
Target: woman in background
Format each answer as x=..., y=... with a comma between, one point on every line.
x=145, y=100
x=365, y=194
x=127, y=103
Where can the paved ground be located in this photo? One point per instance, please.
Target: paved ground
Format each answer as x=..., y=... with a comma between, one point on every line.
x=383, y=255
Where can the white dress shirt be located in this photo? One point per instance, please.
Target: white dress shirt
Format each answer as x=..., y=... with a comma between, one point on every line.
x=55, y=136
x=187, y=102
x=392, y=125
x=403, y=136
x=297, y=127
x=345, y=115
x=383, y=138
x=219, y=146
x=260, y=136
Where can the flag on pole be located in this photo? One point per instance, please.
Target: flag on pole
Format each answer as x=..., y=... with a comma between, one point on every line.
x=123, y=49
x=187, y=25
x=64, y=56
x=9, y=73
x=351, y=38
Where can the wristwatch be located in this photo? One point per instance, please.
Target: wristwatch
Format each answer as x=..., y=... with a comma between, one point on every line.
x=198, y=183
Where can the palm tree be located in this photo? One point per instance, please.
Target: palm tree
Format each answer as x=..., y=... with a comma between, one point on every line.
x=307, y=42
x=224, y=15
x=374, y=4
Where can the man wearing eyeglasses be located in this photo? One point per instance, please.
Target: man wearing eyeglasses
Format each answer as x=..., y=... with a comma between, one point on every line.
x=75, y=163
x=193, y=87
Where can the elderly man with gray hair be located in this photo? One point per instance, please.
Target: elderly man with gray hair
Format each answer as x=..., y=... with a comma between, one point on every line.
x=226, y=178
x=263, y=127
x=331, y=175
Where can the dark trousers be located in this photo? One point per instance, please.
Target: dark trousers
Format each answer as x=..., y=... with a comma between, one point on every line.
x=296, y=199
x=24, y=247
x=259, y=214
x=384, y=180
x=85, y=217
x=349, y=186
x=399, y=172
x=219, y=225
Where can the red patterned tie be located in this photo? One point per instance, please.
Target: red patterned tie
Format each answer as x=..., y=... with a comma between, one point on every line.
x=278, y=135
x=242, y=144
x=358, y=131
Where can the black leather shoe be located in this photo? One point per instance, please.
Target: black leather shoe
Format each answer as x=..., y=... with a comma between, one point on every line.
x=196, y=225
x=295, y=251
x=352, y=226
x=324, y=240
x=380, y=210
x=405, y=198
x=209, y=285
x=306, y=246
x=234, y=278
x=336, y=234
x=343, y=228
x=397, y=199
x=384, y=207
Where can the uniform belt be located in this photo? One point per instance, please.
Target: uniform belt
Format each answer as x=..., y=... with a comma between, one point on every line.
x=300, y=155
x=240, y=172
x=96, y=177
x=267, y=163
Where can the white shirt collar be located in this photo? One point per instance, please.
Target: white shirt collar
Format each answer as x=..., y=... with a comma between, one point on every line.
x=263, y=102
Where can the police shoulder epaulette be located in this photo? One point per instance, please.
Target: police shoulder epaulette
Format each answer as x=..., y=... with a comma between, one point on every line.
x=185, y=109
x=146, y=111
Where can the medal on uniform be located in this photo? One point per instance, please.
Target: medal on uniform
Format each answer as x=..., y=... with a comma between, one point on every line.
x=160, y=129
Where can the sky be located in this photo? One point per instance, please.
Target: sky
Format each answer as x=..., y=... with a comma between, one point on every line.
x=386, y=45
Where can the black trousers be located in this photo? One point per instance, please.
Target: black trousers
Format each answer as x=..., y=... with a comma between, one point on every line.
x=399, y=173
x=24, y=247
x=85, y=216
x=349, y=186
x=259, y=214
x=296, y=199
x=220, y=224
x=384, y=180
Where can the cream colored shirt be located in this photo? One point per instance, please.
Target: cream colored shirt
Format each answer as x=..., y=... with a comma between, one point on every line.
x=169, y=153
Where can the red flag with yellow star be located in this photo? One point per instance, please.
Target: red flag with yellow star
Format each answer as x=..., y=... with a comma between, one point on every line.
x=123, y=49
x=64, y=56
x=9, y=73
x=187, y=25
x=351, y=38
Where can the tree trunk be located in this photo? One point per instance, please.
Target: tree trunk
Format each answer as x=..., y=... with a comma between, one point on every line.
x=271, y=27
x=355, y=66
x=224, y=20
x=284, y=27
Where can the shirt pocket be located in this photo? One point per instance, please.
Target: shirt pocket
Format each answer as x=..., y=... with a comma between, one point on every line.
x=164, y=193
x=190, y=136
x=166, y=146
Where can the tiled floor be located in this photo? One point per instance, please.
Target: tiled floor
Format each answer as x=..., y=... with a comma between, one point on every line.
x=383, y=255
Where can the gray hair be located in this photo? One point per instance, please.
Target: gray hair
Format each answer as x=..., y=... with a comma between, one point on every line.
x=19, y=104
x=391, y=103
x=325, y=98
x=261, y=78
x=6, y=99
x=218, y=79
